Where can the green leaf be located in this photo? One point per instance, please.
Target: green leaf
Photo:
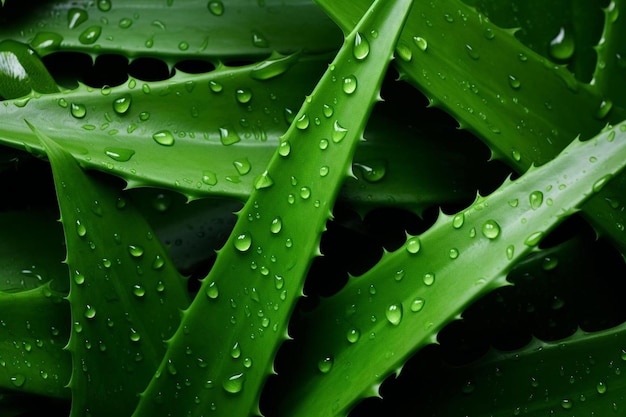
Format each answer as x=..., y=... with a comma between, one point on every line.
x=120, y=275
x=251, y=290
x=473, y=69
x=194, y=29
x=22, y=71
x=33, y=331
x=370, y=328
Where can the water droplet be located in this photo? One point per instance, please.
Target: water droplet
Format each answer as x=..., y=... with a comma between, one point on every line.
x=263, y=181
x=453, y=253
x=328, y=110
x=517, y=156
x=514, y=82
x=372, y=171
x=284, y=149
x=163, y=137
x=228, y=136
x=489, y=33
x=323, y=144
x=212, y=291
x=125, y=23
x=491, y=229
x=562, y=45
x=394, y=314
x=361, y=47
x=471, y=52
x=121, y=105
x=75, y=17
x=243, y=95
x=79, y=278
x=601, y=388
x=325, y=364
x=417, y=305
x=242, y=166
x=353, y=335
x=413, y=245
x=78, y=110
x=81, y=230
x=135, y=251
x=243, y=242
x=421, y=43
x=404, y=52
x=234, y=384
x=458, y=220
x=138, y=290
x=536, y=199
x=510, y=252
x=216, y=7
x=599, y=184
x=216, y=86
x=604, y=109
x=349, y=84
x=46, y=41
x=209, y=177
x=90, y=35
x=18, y=380
x=235, y=351
x=119, y=154
x=90, y=312
x=428, y=278
x=104, y=5
x=338, y=133
x=272, y=67
x=534, y=238
x=259, y=40
x=566, y=404
x=183, y=46
x=305, y=193
x=303, y=122
x=276, y=225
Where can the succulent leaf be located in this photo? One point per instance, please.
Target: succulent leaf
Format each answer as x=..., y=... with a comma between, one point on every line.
x=372, y=326
x=258, y=276
x=120, y=275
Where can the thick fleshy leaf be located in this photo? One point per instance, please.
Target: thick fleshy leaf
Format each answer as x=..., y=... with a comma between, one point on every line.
x=258, y=276
x=193, y=29
x=359, y=336
x=120, y=275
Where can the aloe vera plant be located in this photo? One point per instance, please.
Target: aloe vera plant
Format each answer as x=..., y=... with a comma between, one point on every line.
x=261, y=211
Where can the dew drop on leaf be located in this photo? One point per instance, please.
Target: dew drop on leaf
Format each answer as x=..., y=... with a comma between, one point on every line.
x=135, y=251
x=18, y=380
x=361, y=47
x=421, y=43
x=536, y=199
x=417, y=305
x=104, y=5
x=215, y=86
x=75, y=17
x=353, y=335
x=234, y=384
x=328, y=110
x=138, y=290
x=349, y=84
x=242, y=165
x=413, y=245
x=81, y=230
x=79, y=111
x=284, y=149
x=491, y=229
x=212, y=291
x=90, y=312
x=325, y=364
x=404, y=52
x=534, y=238
x=428, y=278
x=562, y=45
x=302, y=122
x=514, y=82
x=243, y=95
x=228, y=136
x=235, y=351
x=243, y=242
x=121, y=105
x=119, y=154
x=471, y=52
x=601, y=388
x=79, y=278
x=209, y=177
x=164, y=137
x=263, y=181
x=393, y=313
x=604, y=108
x=216, y=7
x=90, y=35
x=276, y=225
x=338, y=133
x=259, y=40
x=305, y=193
